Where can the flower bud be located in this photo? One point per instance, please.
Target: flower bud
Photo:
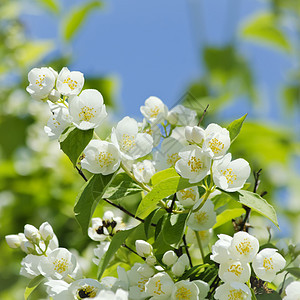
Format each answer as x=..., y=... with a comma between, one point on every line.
x=32, y=233
x=178, y=269
x=151, y=260
x=146, y=271
x=46, y=231
x=13, y=241
x=184, y=260
x=29, y=247
x=143, y=248
x=169, y=258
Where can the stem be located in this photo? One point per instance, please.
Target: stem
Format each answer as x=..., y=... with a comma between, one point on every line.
x=170, y=209
x=96, y=135
x=115, y=205
x=199, y=244
x=243, y=226
x=187, y=250
x=133, y=178
x=203, y=114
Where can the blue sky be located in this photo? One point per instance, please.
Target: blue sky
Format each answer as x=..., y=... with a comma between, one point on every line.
x=152, y=48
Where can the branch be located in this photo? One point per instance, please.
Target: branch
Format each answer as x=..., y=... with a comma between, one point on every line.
x=203, y=114
x=187, y=250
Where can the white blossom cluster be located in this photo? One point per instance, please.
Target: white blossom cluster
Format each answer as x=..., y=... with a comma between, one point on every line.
x=234, y=254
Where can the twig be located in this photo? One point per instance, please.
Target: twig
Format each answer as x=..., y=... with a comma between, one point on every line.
x=131, y=250
x=170, y=209
x=203, y=114
x=243, y=226
x=187, y=250
x=114, y=204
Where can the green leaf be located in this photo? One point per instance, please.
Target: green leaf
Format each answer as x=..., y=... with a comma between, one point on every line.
x=253, y=297
x=228, y=215
x=294, y=271
x=33, y=52
x=116, y=242
x=173, y=228
x=272, y=296
x=74, y=20
x=121, y=186
x=148, y=221
x=73, y=141
x=158, y=227
x=234, y=127
x=256, y=203
x=52, y=5
x=262, y=27
x=32, y=285
x=88, y=198
x=164, y=187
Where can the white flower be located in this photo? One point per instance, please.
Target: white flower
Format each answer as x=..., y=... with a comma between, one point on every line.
x=137, y=280
x=85, y=288
x=230, y=175
x=194, y=163
x=151, y=260
x=143, y=171
x=169, y=258
x=205, y=236
x=151, y=129
x=100, y=251
x=29, y=265
x=203, y=288
x=97, y=232
x=217, y=139
x=100, y=157
x=143, y=248
x=58, y=290
x=160, y=286
x=292, y=291
x=243, y=246
x=182, y=116
x=188, y=197
x=154, y=110
x=167, y=156
x=204, y=218
x=195, y=134
x=58, y=264
x=69, y=83
x=110, y=295
x=131, y=144
x=233, y=290
x=13, y=240
x=60, y=119
x=46, y=231
x=54, y=96
x=234, y=270
x=87, y=109
x=181, y=265
x=41, y=82
x=184, y=289
x=220, y=250
x=32, y=233
x=267, y=263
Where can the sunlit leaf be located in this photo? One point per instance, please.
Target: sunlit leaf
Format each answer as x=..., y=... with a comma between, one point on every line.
x=234, y=127
x=262, y=27
x=52, y=5
x=32, y=285
x=74, y=20
x=228, y=215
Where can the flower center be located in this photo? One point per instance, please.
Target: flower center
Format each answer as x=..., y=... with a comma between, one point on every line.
x=235, y=269
x=87, y=292
x=268, y=263
x=201, y=217
x=215, y=145
x=235, y=295
x=188, y=194
x=183, y=293
x=40, y=80
x=71, y=83
x=86, y=113
x=141, y=284
x=104, y=159
x=154, y=111
x=195, y=164
x=172, y=159
x=244, y=247
x=60, y=265
x=127, y=142
x=158, y=290
x=229, y=175
x=55, y=123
